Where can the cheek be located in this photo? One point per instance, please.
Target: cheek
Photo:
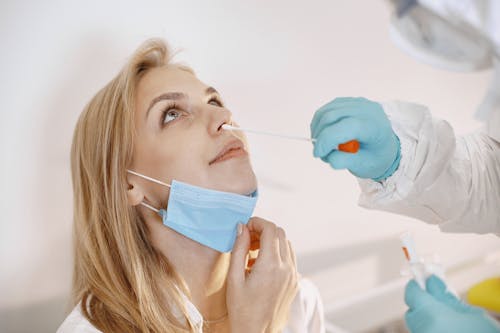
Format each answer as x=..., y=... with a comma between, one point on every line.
x=160, y=156
x=186, y=160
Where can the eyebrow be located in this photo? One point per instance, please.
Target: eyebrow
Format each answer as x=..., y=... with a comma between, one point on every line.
x=176, y=96
x=170, y=95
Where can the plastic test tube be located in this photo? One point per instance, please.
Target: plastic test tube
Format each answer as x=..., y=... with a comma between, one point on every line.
x=416, y=266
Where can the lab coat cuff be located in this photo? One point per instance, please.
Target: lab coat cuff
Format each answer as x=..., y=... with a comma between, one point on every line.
x=406, y=126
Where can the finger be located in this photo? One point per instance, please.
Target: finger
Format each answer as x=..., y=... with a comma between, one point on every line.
x=269, y=243
x=336, y=110
x=336, y=115
x=435, y=286
x=292, y=255
x=339, y=160
x=283, y=243
x=415, y=297
x=334, y=104
x=329, y=138
x=417, y=320
x=238, y=256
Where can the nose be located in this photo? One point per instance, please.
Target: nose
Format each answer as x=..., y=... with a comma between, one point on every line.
x=218, y=117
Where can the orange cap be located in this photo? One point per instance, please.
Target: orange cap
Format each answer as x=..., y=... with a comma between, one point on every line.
x=350, y=146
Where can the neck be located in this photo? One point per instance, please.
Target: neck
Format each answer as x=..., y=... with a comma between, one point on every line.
x=202, y=269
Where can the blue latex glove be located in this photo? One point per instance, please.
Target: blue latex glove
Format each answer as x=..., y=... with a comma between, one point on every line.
x=345, y=119
x=437, y=310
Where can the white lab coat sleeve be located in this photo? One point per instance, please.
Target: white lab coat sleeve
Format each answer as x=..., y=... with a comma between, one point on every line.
x=306, y=311
x=450, y=181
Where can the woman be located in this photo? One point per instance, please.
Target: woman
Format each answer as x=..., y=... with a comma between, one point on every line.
x=159, y=189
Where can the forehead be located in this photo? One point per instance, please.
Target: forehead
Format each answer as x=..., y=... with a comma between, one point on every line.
x=165, y=79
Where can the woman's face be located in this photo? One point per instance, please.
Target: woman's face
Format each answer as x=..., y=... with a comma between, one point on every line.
x=178, y=123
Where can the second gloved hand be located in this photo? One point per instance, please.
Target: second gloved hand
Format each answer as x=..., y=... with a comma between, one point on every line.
x=345, y=119
x=437, y=310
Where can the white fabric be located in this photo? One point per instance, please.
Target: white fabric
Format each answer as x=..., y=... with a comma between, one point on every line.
x=306, y=314
x=444, y=180
x=483, y=15
x=479, y=18
x=461, y=35
x=489, y=110
x=433, y=40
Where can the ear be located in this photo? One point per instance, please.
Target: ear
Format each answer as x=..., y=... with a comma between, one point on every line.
x=134, y=193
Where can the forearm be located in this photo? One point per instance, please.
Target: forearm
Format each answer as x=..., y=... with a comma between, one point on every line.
x=444, y=180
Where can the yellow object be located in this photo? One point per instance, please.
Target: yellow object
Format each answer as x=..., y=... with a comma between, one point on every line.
x=486, y=294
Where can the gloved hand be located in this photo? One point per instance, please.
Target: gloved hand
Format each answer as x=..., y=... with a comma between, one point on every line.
x=345, y=119
x=437, y=310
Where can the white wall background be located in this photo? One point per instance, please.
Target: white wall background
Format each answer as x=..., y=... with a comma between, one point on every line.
x=275, y=63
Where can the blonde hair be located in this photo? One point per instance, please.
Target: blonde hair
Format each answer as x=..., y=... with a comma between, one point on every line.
x=122, y=282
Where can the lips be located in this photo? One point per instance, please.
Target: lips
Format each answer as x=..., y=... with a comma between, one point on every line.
x=232, y=149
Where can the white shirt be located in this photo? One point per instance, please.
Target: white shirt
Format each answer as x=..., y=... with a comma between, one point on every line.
x=306, y=314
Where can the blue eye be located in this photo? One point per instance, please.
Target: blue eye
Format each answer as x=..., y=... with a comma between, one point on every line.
x=214, y=101
x=170, y=115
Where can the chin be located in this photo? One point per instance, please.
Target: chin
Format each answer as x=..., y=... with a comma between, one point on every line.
x=241, y=182
x=250, y=185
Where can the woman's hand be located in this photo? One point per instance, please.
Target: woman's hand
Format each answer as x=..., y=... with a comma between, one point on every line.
x=259, y=299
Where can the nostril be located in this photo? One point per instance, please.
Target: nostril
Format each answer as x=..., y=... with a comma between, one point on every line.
x=230, y=123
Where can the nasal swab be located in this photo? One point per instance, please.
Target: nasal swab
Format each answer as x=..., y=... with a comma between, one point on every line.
x=416, y=266
x=292, y=137
x=348, y=147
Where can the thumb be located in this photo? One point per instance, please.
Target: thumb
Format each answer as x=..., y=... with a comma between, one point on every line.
x=238, y=255
x=415, y=297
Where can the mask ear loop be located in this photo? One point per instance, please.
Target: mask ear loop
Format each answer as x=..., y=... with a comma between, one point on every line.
x=142, y=203
x=149, y=178
x=154, y=181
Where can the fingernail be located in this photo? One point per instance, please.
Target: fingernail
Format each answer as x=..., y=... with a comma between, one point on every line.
x=240, y=228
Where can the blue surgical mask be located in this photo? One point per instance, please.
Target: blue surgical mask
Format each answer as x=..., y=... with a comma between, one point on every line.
x=206, y=216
